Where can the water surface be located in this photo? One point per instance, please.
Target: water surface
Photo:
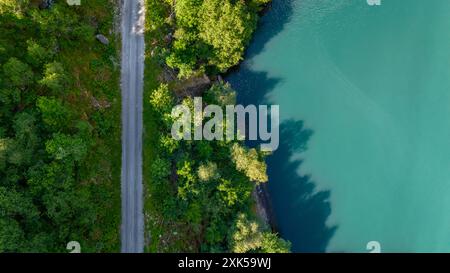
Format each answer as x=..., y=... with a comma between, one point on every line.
x=364, y=94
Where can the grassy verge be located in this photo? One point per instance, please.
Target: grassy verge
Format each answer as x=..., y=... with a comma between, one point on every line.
x=150, y=140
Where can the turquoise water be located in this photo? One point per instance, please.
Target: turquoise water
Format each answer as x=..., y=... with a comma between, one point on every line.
x=364, y=95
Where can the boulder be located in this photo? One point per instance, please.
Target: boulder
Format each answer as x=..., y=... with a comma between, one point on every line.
x=102, y=39
x=193, y=86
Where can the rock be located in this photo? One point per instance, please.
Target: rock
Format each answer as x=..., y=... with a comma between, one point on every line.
x=168, y=39
x=194, y=86
x=167, y=75
x=95, y=103
x=46, y=4
x=104, y=104
x=102, y=39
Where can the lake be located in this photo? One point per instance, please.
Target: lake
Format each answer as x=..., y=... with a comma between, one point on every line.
x=364, y=95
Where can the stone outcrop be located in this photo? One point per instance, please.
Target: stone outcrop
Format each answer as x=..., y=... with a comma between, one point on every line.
x=102, y=39
x=194, y=86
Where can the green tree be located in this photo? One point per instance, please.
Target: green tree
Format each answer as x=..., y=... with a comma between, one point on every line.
x=208, y=171
x=272, y=243
x=54, y=113
x=245, y=235
x=187, y=12
x=17, y=73
x=162, y=100
x=12, y=236
x=17, y=7
x=227, y=26
x=55, y=77
x=16, y=211
x=222, y=94
x=194, y=216
x=229, y=193
x=156, y=12
x=168, y=144
x=186, y=52
x=63, y=146
x=248, y=236
x=23, y=146
x=36, y=54
x=160, y=168
x=258, y=4
x=248, y=162
x=4, y=146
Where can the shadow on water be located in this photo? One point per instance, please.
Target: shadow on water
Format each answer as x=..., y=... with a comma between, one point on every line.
x=301, y=211
x=244, y=80
x=277, y=15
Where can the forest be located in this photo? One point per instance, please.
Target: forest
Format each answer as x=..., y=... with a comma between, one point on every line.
x=59, y=127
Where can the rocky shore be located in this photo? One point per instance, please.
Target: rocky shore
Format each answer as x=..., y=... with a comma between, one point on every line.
x=264, y=209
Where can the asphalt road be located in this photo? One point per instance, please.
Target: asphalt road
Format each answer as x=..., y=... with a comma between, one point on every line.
x=132, y=75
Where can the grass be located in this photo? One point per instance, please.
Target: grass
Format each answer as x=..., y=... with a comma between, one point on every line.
x=150, y=140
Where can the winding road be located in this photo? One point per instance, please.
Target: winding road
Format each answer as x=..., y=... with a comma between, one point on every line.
x=132, y=76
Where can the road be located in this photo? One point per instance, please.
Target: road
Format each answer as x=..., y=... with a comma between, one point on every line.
x=132, y=76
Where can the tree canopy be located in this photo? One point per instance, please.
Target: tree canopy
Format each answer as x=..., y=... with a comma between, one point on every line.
x=57, y=182
x=211, y=35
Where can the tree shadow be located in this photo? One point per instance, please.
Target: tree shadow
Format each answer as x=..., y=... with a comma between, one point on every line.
x=276, y=16
x=253, y=86
x=301, y=212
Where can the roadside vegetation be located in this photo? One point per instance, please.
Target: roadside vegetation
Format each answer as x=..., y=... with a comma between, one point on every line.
x=59, y=127
x=199, y=193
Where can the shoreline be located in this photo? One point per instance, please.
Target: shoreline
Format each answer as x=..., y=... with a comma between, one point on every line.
x=263, y=202
x=264, y=207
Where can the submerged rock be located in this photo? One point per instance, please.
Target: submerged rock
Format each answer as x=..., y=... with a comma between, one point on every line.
x=102, y=39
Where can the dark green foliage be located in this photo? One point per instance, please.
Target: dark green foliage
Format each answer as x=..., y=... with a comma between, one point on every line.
x=249, y=236
x=55, y=184
x=54, y=114
x=209, y=35
x=55, y=77
x=202, y=186
x=17, y=73
x=197, y=191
